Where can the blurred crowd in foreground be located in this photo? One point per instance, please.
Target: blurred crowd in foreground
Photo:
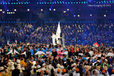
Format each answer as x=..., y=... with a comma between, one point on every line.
x=48, y=60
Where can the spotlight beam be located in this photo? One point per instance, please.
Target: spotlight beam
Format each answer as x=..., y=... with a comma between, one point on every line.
x=68, y=6
x=4, y=5
x=52, y=4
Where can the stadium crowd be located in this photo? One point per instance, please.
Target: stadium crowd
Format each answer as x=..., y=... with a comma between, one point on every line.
x=48, y=60
x=82, y=34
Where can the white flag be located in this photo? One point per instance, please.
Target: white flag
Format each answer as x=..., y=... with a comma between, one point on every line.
x=58, y=32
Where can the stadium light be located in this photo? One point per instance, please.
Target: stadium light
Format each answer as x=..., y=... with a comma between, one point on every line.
x=67, y=9
x=64, y=11
x=54, y=9
x=90, y=14
x=15, y=10
x=3, y=12
x=11, y=13
x=105, y=15
x=8, y=13
x=7, y=9
x=0, y=9
x=49, y=9
x=78, y=15
x=41, y=9
x=74, y=15
x=28, y=9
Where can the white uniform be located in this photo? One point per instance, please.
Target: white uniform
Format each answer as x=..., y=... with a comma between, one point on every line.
x=53, y=39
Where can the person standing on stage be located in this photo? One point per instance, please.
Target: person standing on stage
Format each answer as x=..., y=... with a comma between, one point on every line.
x=53, y=38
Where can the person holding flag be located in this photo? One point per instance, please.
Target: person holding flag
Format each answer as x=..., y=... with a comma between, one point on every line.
x=53, y=38
x=96, y=44
x=56, y=37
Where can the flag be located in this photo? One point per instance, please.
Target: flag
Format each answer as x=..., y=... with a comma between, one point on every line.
x=96, y=44
x=22, y=47
x=24, y=53
x=58, y=32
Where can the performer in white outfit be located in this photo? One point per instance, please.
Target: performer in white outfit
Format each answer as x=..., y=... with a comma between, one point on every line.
x=53, y=38
x=59, y=41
